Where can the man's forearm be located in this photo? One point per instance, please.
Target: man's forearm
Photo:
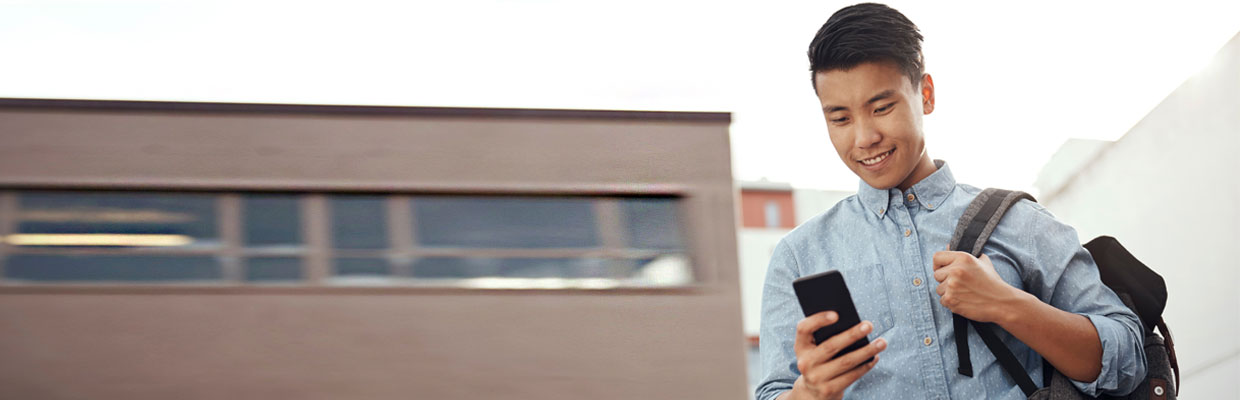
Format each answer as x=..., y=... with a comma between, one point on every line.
x=1069, y=341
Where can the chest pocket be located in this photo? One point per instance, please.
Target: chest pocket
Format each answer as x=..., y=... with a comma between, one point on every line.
x=868, y=288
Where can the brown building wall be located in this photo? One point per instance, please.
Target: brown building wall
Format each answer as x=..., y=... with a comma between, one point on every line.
x=452, y=344
x=247, y=342
x=753, y=208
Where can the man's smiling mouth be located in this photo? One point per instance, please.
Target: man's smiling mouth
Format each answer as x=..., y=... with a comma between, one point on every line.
x=877, y=159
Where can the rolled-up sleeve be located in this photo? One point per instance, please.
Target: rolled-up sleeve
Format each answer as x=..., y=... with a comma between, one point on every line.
x=1061, y=272
x=780, y=314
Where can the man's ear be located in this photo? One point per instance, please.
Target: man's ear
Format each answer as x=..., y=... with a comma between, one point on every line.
x=927, y=94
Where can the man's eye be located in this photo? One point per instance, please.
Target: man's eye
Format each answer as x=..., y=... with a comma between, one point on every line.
x=839, y=120
x=884, y=109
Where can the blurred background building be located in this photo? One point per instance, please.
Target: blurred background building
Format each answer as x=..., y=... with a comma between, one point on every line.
x=246, y=251
x=1165, y=190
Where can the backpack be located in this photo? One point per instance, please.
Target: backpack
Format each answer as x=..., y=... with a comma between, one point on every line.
x=1141, y=289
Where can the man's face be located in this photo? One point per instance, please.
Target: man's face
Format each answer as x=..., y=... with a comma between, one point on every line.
x=873, y=117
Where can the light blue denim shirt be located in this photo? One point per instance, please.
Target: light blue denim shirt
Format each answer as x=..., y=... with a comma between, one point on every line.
x=883, y=242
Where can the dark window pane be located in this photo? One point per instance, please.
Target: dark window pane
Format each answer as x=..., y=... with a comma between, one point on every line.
x=272, y=219
x=652, y=223
x=513, y=222
x=136, y=268
x=359, y=222
x=116, y=219
x=458, y=268
x=363, y=267
x=273, y=269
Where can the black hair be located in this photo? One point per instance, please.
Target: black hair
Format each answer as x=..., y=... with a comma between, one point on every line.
x=867, y=32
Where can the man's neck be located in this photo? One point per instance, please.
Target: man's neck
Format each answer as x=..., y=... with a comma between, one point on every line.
x=925, y=167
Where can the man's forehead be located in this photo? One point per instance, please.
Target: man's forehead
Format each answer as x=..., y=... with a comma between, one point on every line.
x=860, y=82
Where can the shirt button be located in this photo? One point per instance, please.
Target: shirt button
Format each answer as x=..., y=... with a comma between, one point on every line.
x=927, y=341
x=908, y=232
x=911, y=197
x=916, y=281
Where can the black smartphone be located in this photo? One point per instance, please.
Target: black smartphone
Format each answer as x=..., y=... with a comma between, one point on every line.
x=828, y=292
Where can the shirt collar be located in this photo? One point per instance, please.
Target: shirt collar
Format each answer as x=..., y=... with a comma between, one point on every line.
x=929, y=192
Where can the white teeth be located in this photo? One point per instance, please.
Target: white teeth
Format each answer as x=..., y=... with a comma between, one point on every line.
x=876, y=160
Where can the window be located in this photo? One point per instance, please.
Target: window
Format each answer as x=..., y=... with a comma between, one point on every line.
x=505, y=222
x=530, y=241
x=359, y=222
x=115, y=220
x=111, y=268
x=482, y=241
x=274, y=270
x=69, y=236
x=272, y=220
x=652, y=223
x=772, y=214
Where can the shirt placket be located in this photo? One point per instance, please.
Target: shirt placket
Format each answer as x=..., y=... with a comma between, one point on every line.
x=928, y=354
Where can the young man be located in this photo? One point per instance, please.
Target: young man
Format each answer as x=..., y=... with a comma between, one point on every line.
x=1034, y=279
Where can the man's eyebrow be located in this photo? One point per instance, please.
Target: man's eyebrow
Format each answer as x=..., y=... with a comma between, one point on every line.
x=885, y=94
x=878, y=97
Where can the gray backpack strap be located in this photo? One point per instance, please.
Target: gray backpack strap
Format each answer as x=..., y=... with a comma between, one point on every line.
x=981, y=218
x=975, y=226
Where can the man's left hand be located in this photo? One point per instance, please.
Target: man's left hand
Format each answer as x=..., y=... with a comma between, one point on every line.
x=969, y=286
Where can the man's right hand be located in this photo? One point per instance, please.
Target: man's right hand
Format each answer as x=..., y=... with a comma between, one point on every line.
x=824, y=378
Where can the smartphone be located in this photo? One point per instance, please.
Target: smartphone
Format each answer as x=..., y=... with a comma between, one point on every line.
x=828, y=292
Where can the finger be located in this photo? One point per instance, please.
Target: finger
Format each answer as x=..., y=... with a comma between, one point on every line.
x=857, y=357
x=838, y=342
x=943, y=258
x=809, y=325
x=941, y=274
x=824, y=368
x=846, y=379
x=941, y=289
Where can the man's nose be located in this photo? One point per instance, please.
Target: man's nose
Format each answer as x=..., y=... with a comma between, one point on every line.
x=867, y=133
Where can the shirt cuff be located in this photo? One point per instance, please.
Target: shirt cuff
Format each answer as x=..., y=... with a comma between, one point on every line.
x=1111, y=334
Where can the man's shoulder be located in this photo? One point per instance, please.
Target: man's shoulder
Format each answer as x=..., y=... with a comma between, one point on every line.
x=1023, y=207
x=1024, y=219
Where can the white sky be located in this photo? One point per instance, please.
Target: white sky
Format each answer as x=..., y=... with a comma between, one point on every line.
x=1013, y=80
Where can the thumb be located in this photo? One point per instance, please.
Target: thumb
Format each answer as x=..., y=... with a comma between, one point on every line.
x=987, y=265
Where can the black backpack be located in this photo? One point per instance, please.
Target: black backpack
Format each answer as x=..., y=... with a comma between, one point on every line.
x=1138, y=287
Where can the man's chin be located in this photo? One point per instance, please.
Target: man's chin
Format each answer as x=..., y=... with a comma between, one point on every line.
x=882, y=180
x=879, y=182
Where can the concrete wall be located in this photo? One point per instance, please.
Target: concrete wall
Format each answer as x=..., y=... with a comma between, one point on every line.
x=1168, y=191
x=316, y=342
x=756, y=247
